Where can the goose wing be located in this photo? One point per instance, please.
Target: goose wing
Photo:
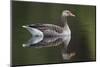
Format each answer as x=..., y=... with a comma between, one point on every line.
x=44, y=27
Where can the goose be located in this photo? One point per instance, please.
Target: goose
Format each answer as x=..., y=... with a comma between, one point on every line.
x=40, y=32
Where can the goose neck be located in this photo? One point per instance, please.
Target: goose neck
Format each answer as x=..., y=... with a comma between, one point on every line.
x=64, y=20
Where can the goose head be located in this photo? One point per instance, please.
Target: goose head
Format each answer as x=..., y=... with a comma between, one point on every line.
x=67, y=13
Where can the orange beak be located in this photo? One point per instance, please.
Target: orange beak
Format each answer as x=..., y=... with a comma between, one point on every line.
x=71, y=14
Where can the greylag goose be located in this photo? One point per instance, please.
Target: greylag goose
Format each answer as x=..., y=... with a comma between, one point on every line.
x=46, y=35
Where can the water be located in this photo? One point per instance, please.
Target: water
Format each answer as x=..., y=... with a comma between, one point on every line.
x=82, y=28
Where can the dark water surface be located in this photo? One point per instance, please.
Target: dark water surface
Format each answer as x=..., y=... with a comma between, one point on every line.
x=82, y=26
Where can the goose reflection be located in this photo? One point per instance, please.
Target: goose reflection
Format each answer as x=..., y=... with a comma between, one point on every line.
x=39, y=42
x=48, y=35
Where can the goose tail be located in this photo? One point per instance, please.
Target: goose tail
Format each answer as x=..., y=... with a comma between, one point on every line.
x=34, y=31
x=37, y=36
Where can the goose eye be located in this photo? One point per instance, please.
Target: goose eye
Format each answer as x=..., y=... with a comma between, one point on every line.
x=67, y=12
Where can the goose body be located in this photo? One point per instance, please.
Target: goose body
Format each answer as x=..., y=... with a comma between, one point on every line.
x=47, y=30
x=49, y=33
